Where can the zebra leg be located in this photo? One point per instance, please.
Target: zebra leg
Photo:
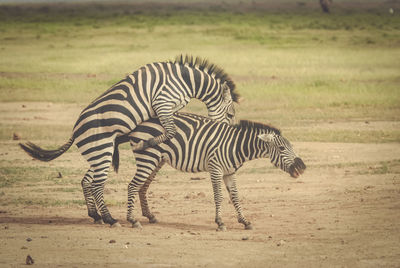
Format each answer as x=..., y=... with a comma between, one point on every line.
x=143, y=195
x=90, y=202
x=164, y=111
x=216, y=180
x=100, y=169
x=133, y=188
x=230, y=183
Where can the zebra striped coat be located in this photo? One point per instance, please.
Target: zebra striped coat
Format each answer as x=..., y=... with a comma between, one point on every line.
x=155, y=90
x=202, y=144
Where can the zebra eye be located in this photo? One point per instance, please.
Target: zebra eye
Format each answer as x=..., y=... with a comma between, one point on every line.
x=281, y=148
x=230, y=116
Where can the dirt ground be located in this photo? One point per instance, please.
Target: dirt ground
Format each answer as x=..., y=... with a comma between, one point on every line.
x=343, y=212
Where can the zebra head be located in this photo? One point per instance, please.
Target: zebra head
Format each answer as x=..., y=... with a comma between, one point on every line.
x=282, y=155
x=223, y=110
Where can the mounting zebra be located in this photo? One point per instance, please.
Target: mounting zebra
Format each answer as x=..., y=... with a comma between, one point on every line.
x=154, y=90
x=203, y=144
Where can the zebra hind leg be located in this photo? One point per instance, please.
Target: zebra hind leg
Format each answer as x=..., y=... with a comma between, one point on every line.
x=230, y=183
x=90, y=202
x=143, y=195
x=100, y=165
x=133, y=188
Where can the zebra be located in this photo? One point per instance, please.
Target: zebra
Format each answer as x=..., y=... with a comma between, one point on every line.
x=203, y=144
x=154, y=90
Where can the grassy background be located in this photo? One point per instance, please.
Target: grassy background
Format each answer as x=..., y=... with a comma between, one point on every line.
x=296, y=60
x=294, y=65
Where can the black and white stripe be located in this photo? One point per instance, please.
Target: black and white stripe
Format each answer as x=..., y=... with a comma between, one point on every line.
x=202, y=144
x=155, y=90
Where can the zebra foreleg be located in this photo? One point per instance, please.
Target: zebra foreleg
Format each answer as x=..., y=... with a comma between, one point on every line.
x=230, y=183
x=216, y=180
x=164, y=111
x=90, y=202
x=143, y=195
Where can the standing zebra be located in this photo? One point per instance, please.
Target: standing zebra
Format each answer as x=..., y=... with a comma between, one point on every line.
x=202, y=144
x=154, y=90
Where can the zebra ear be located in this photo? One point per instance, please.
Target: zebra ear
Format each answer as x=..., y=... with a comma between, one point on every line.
x=266, y=137
x=226, y=92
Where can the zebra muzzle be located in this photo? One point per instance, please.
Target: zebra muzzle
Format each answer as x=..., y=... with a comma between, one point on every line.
x=297, y=168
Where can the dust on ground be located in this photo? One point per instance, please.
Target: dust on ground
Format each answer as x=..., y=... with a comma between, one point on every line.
x=344, y=211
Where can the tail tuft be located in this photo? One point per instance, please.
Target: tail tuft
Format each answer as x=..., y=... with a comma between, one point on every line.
x=45, y=155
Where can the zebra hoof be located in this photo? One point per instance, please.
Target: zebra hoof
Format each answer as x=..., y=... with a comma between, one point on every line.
x=137, y=225
x=153, y=220
x=221, y=228
x=100, y=221
x=248, y=227
x=115, y=225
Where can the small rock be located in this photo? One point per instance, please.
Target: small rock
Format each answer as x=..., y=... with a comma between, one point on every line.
x=16, y=136
x=29, y=239
x=29, y=260
x=59, y=175
x=23, y=106
x=269, y=237
x=112, y=241
x=281, y=243
x=23, y=247
x=6, y=227
x=197, y=178
x=149, y=244
x=244, y=238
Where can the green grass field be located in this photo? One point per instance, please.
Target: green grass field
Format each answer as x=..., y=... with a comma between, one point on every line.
x=293, y=65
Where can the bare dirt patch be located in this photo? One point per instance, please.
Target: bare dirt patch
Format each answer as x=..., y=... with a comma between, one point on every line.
x=344, y=211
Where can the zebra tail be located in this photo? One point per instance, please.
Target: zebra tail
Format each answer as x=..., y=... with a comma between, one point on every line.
x=45, y=155
x=115, y=158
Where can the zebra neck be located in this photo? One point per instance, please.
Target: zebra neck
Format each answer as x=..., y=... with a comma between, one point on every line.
x=208, y=91
x=250, y=146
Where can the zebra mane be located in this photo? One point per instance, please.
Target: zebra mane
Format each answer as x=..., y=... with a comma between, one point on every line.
x=255, y=125
x=211, y=69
